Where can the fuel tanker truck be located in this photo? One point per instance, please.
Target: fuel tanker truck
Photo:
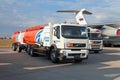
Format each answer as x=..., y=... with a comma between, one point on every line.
x=58, y=41
x=18, y=43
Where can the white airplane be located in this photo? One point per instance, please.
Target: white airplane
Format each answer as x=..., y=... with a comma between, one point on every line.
x=107, y=29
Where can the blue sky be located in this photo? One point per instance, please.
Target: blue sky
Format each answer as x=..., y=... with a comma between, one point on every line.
x=20, y=14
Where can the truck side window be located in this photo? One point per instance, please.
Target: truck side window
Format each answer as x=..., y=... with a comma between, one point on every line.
x=58, y=32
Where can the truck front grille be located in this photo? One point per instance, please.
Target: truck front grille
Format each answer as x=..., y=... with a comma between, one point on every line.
x=95, y=46
x=79, y=45
x=74, y=54
x=97, y=42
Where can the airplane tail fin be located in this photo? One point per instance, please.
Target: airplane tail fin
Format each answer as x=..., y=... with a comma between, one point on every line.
x=79, y=15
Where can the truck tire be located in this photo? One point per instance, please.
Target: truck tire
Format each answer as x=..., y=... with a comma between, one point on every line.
x=32, y=54
x=14, y=47
x=54, y=56
x=28, y=49
x=19, y=48
x=25, y=49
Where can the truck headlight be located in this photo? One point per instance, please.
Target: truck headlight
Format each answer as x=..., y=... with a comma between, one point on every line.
x=69, y=44
x=91, y=42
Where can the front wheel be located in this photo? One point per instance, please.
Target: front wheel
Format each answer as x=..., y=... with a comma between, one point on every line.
x=54, y=56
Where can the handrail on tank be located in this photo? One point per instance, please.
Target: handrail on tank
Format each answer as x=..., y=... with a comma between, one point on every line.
x=16, y=32
x=36, y=27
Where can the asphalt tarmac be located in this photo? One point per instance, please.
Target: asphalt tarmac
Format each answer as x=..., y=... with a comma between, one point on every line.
x=20, y=66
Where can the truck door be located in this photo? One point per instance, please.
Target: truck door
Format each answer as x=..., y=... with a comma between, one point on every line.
x=56, y=38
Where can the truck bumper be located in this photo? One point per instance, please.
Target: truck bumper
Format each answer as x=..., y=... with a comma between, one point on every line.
x=96, y=48
x=69, y=54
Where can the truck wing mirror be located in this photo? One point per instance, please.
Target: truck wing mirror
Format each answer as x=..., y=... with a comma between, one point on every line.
x=56, y=34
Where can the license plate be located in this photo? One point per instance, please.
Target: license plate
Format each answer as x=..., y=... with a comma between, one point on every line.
x=77, y=56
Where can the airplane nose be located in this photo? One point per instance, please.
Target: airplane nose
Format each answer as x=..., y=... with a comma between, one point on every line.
x=118, y=32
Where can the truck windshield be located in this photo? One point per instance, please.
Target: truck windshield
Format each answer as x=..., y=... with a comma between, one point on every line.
x=74, y=31
x=95, y=36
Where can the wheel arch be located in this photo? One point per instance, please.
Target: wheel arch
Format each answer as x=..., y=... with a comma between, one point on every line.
x=53, y=46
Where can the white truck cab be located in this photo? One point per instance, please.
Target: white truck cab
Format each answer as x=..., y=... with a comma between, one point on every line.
x=66, y=41
x=95, y=40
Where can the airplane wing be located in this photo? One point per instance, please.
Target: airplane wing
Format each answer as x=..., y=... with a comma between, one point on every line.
x=108, y=29
x=113, y=25
x=117, y=25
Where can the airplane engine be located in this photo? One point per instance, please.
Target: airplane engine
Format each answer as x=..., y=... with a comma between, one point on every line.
x=110, y=31
x=118, y=32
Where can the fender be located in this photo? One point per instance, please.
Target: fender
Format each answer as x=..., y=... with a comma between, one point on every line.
x=53, y=46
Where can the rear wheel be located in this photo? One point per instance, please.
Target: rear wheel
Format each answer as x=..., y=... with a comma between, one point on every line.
x=19, y=48
x=54, y=56
x=32, y=53
x=14, y=47
x=28, y=49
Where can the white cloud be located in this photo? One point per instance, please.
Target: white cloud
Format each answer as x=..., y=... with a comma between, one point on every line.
x=108, y=13
x=23, y=13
